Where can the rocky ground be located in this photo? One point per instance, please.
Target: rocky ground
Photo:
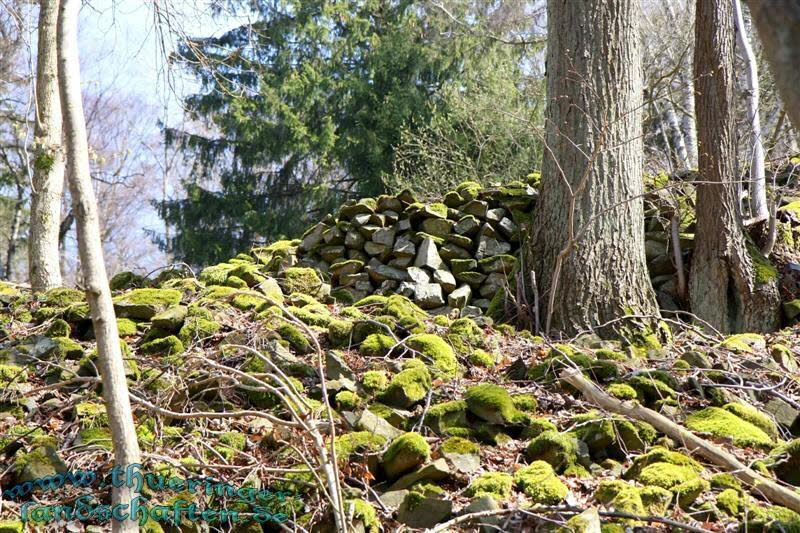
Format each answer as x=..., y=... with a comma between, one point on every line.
x=437, y=412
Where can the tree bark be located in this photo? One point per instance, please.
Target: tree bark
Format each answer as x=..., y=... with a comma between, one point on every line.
x=777, y=22
x=587, y=246
x=732, y=286
x=115, y=388
x=44, y=268
x=688, y=124
x=13, y=237
x=758, y=181
x=678, y=142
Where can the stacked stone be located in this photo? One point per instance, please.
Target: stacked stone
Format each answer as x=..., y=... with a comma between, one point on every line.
x=443, y=256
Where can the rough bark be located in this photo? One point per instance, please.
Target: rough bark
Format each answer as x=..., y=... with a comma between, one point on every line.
x=44, y=268
x=758, y=180
x=777, y=22
x=589, y=217
x=732, y=286
x=98, y=294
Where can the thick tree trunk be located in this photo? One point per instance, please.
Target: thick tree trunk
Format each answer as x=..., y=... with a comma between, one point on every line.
x=587, y=245
x=48, y=167
x=732, y=285
x=115, y=388
x=777, y=23
x=758, y=181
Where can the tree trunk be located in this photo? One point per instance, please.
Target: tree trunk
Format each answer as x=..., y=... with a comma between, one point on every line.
x=587, y=247
x=758, y=181
x=678, y=143
x=48, y=168
x=777, y=24
x=688, y=125
x=115, y=388
x=732, y=286
x=16, y=222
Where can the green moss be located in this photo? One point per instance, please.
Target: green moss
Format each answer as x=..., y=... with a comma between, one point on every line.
x=621, y=391
x=11, y=526
x=446, y=417
x=231, y=442
x=560, y=450
x=651, y=390
x=659, y=454
x=363, y=512
x=498, y=485
x=340, y=333
x=773, y=519
x=405, y=453
x=62, y=297
x=12, y=374
x=681, y=480
x=67, y=348
x=96, y=437
x=482, y=358
x=377, y=345
x=409, y=386
x=610, y=355
x=166, y=346
x=196, y=328
x=58, y=328
x=755, y=417
x=91, y=415
x=563, y=356
x=725, y=481
x=373, y=300
x=536, y=426
x=525, y=402
x=350, y=444
x=744, y=343
x=730, y=502
x=304, y=280
x=765, y=271
x=432, y=348
x=409, y=316
x=126, y=327
x=656, y=500
x=145, y=303
x=216, y=274
x=539, y=482
x=468, y=190
x=612, y=436
x=722, y=424
x=458, y=445
x=347, y=401
x=375, y=381
x=491, y=403
x=296, y=339
x=785, y=462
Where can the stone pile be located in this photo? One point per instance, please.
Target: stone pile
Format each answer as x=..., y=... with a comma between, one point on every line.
x=443, y=256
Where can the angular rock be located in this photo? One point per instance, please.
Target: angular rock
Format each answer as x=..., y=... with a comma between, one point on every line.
x=468, y=225
x=418, y=275
x=332, y=254
x=428, y=295
x=379, y=273
x=428, y=256
x=460, y=297
x=406, y=289
x=404, y=247
x=401, y=262
x=451, y=251
x=508, y=229
x=439, y=227
x=489, y=524
x=384, y=236
x=422, y=511
x=435, y=471
x=495, y=215
x=445, y=279
x=313, y=237
x=333, y=236
x=476, y=208
x=488, y=246
x=474, y=279
x=463, y=265
x=460, y=240
x=402, y=225
x=354, y=240
x=373, y=249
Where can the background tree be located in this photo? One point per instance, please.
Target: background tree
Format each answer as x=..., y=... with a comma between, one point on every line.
x=303, y=108
x=98, y=294
x=732, y=286
x=44, y=267
x=587, y=247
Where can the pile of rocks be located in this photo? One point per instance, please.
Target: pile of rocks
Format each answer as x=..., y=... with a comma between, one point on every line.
x=443, y=256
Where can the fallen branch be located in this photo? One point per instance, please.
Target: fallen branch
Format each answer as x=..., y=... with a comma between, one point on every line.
x=768, y=488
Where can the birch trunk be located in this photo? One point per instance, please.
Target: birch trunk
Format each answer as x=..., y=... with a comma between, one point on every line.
x=587, y=247
x=758, y=181
x=44, y=269
x=115, y=388
x=726, y=289
x=777, y=24
x=678, y=142
x=688, y=125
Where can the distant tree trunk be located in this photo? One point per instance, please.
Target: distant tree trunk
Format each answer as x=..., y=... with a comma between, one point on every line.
x=587, y=246
x=688, y=125
x=758, y=181
x=48, y=167
x=115, y=388
x=777, y=24
x=733, y=287
x=678, y=141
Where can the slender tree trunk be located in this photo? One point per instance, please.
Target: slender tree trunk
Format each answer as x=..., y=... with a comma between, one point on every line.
x=678, y=142
x=732, y=286
x=13, y=238
x=777, y=23
x=115, y=388
x=688, y=125
x=587, y=245
x=48, y=175
x=758, y=181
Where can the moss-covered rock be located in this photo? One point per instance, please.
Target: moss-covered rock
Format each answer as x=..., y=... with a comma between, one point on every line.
x=459, y=446
x=95, y=437
x=755, y=417
x=347, y=401
x=404, y=454
x=659, y=454
x=482, y=358
x=58, y=328
x=437, y=353
x=374, y=381
x=785, y=462
x=41, y=462
x=357, y=442
x=622, y=391
x=491, y=403
x=11, y=526
x=498, y=485
x=445, y=417
x=66, y=348
x=377, y=345
x=539, y=482
x=197, y=326
x=722, y=424
x=612, y=436
x=171, y=319
x=408, y=386
x=215, y=274
x=165, y=346
x=560, y=450
x=562, y=356
x=144, y=304
x=306, y=281
x=744, y=343
x=126, y=327
x=363, y=514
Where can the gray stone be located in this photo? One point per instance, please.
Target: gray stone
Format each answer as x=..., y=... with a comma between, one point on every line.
x=463, y=265
x=490, y=524
x=344, y=268
x=389, y=285
x=488, y=246
x=586, y=522
x=402, y=225
x=445, y=279
x=333, y=236
x=332, y=254
x=476, y=208
x=428, y=295
x=784, y=414
x=374, y=248
x=357, y=254
x=393, y=499
x=495, y=215
x=362, y=220
x=508, y=229
x=351, y=279
x=404, y=247
x=471, y=311
x=487, y=230
x=418, y=275
x=390, y=216
x=460, y=297
x=363, y=286
x=451, y=251
x=336, y=367
x=464, y=463
x=369, y=421
x=435, y=471
x=354, y=239
x=384, y=236
x=439, y=227
x=498, y=263
x=380, y=273
x=389, y=203
x=313, y=237
x=406, y=289
x=474, y=279
x=368, y=231
x=425, y=513
x=428, y=256
x=468, y=225
x=401, y=262
x=482, y=304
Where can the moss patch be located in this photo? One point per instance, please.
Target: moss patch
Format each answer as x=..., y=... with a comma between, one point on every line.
x=539, y=482
x=722, y=424
x=404, y=454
